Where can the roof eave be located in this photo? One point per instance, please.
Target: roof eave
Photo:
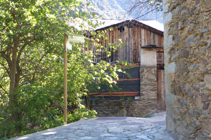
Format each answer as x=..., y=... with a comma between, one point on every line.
x=136, y=23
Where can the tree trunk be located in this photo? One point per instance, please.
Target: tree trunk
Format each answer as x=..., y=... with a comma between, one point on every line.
x=13, y=85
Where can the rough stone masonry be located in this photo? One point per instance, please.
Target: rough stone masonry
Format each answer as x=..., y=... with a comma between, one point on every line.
x=187, y=47
x=133, y=108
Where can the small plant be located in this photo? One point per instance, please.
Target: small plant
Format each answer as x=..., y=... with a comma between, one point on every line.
x=108, y=131
x=146, y=116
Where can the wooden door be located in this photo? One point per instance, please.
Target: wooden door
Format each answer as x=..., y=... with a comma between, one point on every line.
x=161, y=104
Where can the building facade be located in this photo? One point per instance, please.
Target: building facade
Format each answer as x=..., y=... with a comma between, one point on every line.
x=142, y=44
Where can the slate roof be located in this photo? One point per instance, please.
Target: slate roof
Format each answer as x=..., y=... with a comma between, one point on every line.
x=151, y=23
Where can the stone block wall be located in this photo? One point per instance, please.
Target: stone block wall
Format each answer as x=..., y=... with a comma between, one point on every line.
x=143, y=106
x=149, y=84
x=118, y=108
x=187, y=44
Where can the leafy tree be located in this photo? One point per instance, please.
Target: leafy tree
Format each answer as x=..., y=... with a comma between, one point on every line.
x=31, y=64
x=29, y=26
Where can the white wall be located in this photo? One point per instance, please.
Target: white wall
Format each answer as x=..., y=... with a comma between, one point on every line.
x=148, y=57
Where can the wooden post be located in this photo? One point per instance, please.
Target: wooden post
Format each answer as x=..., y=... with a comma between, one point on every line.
x=65, y=79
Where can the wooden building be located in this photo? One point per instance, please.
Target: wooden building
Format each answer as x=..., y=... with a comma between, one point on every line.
x=143, y=44
x=133, y=34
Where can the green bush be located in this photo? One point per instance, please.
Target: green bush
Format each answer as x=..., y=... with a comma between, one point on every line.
x=81, y=113
x=34, y=110
x=37, y=113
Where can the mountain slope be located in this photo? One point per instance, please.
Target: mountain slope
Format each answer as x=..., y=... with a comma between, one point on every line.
x=118, y=9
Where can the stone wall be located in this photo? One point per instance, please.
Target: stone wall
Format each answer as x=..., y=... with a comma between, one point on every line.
x=187, y=44
x=117, y=108
x=149, y=87
x=134, y=108
x=143, y=106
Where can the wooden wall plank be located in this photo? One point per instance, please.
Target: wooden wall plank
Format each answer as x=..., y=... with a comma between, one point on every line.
x=133, y=37
x=145, y=37
x=159, y=41
x=142, y=37
x=118, y=57
x=126, y=43
x=129, y=52
x=135, y=43
x=106, y=44
x=148, y=38
x=156, y=40
x=121, y=52
x=138, y=43
x=111, y=41
x=151, y=38
x=162, y=41
x=115, y=42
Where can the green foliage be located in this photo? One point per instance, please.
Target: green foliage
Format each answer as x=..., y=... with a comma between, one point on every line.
x=34, y=110
x=31, y=64
x=81, y=113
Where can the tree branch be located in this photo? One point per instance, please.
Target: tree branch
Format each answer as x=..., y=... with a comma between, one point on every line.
x=23, y=47
x=9, y=45
x=19, y=72
x=137, y=4
x=2, y=86
x=142, y=5
x=5, y=68
x=6, y=57
x=3, y=89
x=33, y=78
x=146, y=13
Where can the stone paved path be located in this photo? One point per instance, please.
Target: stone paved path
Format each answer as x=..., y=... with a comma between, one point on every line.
x=107, y=128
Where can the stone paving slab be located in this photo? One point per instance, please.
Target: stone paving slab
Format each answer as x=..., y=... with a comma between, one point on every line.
x=107, y=128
